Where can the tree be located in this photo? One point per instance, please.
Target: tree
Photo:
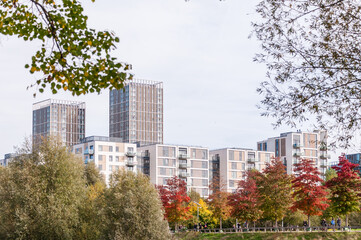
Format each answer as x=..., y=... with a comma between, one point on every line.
x=345, y=189
x=246, y=201
x=217, y=200
x=311, y=49
x=72, y=57
x=330, y=173
x=41, y=193
x=275, y=188
x=175, y=200
x=309, y=193
x=133, y=209
x=205, y=214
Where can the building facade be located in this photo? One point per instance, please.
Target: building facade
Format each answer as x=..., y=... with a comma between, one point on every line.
x=7, y=158
x=229, y=165
x=161, y=162
x=59, y=118
x=356, y=159
x=108, y=154
x=290, y=147
x=136, y=112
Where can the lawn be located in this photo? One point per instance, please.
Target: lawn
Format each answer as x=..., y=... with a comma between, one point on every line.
x=271, y=236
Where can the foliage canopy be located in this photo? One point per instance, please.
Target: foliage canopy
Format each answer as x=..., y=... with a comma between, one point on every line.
x=72, y=56
x=312, y=52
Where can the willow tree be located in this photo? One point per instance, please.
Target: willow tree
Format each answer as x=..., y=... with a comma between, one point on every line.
x=72, y=56
x=312, y=51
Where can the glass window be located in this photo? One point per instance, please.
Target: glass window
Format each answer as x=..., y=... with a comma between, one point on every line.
x=100, y=148
x=231, y=183
x=204, y=154
x=110, y=168
x=110, y=158
x=205, y=192
x=165, y=162
x=100, y=157
x=117, y=158
x=234, y=174
x=91, y=147
x=204, y=173
x=243, y=166
x=240, y=156
x=234, y=166
x=204, y=182
x=231, y=155
x=204, y=164
x=162, y=171
x=110, y=148
x=117, y=149
x=100, y=167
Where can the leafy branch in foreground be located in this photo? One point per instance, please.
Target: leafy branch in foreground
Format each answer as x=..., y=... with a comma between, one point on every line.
x=312, y=52
x=72, y=57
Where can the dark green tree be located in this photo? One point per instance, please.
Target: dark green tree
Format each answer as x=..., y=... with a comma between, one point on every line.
x=72, y=57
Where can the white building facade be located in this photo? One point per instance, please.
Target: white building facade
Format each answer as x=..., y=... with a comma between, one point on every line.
x=108, y=154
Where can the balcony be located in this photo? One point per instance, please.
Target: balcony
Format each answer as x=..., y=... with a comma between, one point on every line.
x=251, y=160
x=297, y=145
x=91, y=151
x=130, y=163
x=297, y=154
x=184, y=174
x=184, y=165
x=324, y=156
x=183, y=156
x=131, y=154
x=323, y=166
x=323, y=148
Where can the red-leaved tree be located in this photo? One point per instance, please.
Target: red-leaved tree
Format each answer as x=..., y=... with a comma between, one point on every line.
x=309, y=193
x=175, y=200
x=246, y=201
x=345, y=189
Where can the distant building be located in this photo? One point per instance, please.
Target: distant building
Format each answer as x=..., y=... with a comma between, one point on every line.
x=356, y=159
x=229, y=165
x=59, y=118
x=7, y=159
x=108, y=154
x=290, y=147
x=136, y=112
x=161, y=162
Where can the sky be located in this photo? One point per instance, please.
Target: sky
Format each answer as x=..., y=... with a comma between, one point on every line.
x=199, y=49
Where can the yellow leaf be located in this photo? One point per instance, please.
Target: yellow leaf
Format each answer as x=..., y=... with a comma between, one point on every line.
x=33, y=69
x=89, y=43
x=65, y=88
x=86, y=74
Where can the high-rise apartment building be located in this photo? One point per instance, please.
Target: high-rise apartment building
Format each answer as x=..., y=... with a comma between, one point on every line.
x=161, y=162
x=136, y=112
x=229, y=165
x=356, y=159
x=108, y=154
x=290, y=147
x=59, y=118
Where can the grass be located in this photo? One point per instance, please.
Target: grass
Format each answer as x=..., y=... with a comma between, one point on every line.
x=271, y=236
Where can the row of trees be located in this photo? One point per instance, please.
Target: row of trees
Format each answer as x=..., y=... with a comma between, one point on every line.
x=50, y=194
x=270, y=195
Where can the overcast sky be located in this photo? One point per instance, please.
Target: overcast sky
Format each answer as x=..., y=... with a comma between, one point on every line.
x=199, y=49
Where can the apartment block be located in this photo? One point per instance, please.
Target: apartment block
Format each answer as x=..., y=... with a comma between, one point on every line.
x=59, y=118
x=290, y=147
x=229, y=165
x=108, y=154
x=7, y=159
x=136, y=112
x=161, y=162
x=355, y=158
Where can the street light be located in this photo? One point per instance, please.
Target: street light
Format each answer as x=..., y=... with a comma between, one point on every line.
x=198, y=207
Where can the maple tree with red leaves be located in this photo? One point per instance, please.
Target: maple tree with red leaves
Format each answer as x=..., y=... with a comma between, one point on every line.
x=175, y=200
x=345, y=189
x=246, y=201
x=309, y=193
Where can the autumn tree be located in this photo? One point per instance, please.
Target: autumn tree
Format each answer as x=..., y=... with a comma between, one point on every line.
x=275, y=188
x=309, y=193
x=311, y=49
x=345, y=189
x=218, y=198
x=72, y=57
x=175, y=200
x=246, y=201
x=205, y=215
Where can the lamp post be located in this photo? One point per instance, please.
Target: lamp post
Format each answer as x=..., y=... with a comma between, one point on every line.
x=198, y=207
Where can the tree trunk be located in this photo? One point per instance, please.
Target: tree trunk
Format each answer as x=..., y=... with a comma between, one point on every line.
x=309, y=221
x=220, y=223
x=176, y=227
x=346, y=221
x=276, y=223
